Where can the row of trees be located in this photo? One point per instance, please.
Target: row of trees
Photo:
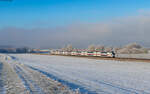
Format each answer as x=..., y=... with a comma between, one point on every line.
x=132, y=48
x=15, y=50
x=99, y=48
x=90, y=48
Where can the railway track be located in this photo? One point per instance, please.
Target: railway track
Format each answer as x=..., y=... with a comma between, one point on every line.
x=120, y=59
x=107, y=58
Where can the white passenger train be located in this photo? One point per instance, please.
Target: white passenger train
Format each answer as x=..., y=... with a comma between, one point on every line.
x=84, y=53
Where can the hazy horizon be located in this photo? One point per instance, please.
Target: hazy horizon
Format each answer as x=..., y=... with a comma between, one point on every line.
x=56, y=23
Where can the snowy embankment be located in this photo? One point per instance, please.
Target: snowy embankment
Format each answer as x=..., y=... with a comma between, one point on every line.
x=92, y=76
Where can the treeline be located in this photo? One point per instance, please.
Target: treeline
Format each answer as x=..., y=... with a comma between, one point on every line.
x=15, y=50
x=90, y=48
x=132, y=48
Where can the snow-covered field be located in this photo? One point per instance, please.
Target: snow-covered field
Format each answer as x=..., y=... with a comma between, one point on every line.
x=92, y=76
x=139, y=56
x=16, y=78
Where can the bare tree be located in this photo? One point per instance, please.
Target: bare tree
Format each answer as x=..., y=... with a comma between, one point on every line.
x=133, y=48
x=133, y=45
x=116, y=50
x=63, y=49
x=69, y=47
x=109, y=49
x=91, y=48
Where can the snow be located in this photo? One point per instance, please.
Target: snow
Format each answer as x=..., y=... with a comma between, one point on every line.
x=139, y=56
x=99, y=76
x=17, y=78
x=1, y=83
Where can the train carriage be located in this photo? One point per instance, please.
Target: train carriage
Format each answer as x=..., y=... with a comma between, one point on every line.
x=94, y=53
x=79, y=53
x=85, y=53
x=90, y=53
x=74, y=53
x=98, y=53
x=104, y=54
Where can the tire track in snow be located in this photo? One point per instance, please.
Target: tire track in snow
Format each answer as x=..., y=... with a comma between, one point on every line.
x=30, y=85
x=121, y=88
x=2, y=91
x=69, y=84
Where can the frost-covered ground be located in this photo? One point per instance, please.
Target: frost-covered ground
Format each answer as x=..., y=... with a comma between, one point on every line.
x=16, y=78
x=92, y=76
x=139, y=56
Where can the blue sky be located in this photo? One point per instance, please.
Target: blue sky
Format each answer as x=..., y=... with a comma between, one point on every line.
x=62, y=20
x=61, y=12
